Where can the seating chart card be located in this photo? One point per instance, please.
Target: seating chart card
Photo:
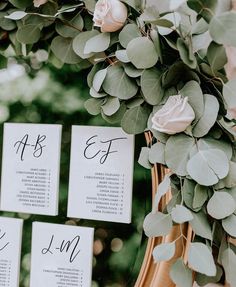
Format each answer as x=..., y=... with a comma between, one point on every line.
x=10, y=251
x=30, y=168
x=101, y=174
x=61, y=255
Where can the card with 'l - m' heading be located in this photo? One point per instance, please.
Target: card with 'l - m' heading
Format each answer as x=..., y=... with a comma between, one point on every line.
x=61, y=255
x=30, y=168
x=101, y=174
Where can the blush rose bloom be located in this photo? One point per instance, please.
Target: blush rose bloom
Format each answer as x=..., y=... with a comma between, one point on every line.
x=110, y=15
x=174, y=117
x=38, y=3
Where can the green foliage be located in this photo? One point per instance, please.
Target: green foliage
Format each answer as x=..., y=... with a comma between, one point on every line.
x=165, y=48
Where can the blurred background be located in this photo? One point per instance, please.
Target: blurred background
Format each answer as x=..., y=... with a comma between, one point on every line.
x=33, y=91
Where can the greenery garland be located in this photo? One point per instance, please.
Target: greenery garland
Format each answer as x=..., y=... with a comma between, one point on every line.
x=157, y=66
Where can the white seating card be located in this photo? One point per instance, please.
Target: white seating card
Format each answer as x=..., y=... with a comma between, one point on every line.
x=101, y=174
x=30, y=168
x=61, y=255
x=10, y=251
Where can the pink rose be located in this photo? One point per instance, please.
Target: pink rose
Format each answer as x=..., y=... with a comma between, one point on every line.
x=38, y=3
x=174, y=117
x=110, y=15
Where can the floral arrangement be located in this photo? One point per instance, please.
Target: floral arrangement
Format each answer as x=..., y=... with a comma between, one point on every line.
x=155, y=66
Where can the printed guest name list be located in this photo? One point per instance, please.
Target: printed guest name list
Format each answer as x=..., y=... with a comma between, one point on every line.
x=30, y=168
x=101, y=174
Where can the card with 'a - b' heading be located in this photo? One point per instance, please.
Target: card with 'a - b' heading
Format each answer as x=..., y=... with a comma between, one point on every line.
x=30, y=168
x=61, y=255
x=10, y=251
x=101, y=174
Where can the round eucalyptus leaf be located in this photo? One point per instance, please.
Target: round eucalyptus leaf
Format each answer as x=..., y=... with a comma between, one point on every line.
x=62, y=49
x=164, y=252
x=180, y=274
x=142, y=46
x=97, y=43
x=144, y=158
x=135, y=120
x=17, y=15
x=128, y=33
x=208, y=119
x=221, y=205
x=193, y=91
x=122, y=56
x=21, y=4
x=200, y=196
x=80, y=41
x=28, y=34
x=222, y=27
x=151, y=86
x=206, y=167
x=157, y=153
x=93, y=106
x=98, y=79
x=117, y=117
x=157, y=224
x=229, y=93
x=181, y=214
x=216, y=56
x=95, y=94
x=132, y=72
x=201, y=225
x=177, y=152
x=70, y=28
x=201, y=260
x=111, y=106
x=229, y=263
x=229, y=225
x=118, y=84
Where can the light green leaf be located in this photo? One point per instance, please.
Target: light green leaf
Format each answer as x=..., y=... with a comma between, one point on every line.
x=200, y=196
x=80, y=41
x=97, y=43
x=181, y=214
x=216, y=56
x=201, y=225
x=98, y=79
x=142, y=46
x=135, y=120
x=230, y=180
x=117, y=117
x=151, y=86
x=204, y=8
x=157, y=224
x=157, y=153
x=209, y=143
x=188, y=193
x=177, y=152
x=131, y=71
x=28, y=34
x=229, y=264
x=162, y=189
x=229, y=225
x=164, y=252
x=62, y=49
x=111, y=106
x=70, y=28
x=93, y=106
x=118, y=84
x=229, y=93
x=222, y=27
x=201, y=260
x=221, y=205
x=144, y=158
x=122, y=56
x=128, y=33
x=193, y=91
x=186, y=54
x=17, y=15
x=180, y=274
x=209, y=116
x=95, y=94
x=206, y=167
x=21, y=4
